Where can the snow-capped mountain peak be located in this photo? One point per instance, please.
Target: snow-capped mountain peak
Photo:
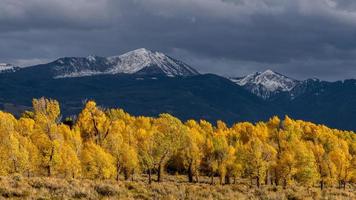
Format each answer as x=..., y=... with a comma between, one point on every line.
x=140, y=61
x=134, y=61
x=267, y=83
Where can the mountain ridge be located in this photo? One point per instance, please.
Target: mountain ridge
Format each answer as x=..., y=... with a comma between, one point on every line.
x=269, y=84
x=149, y=90
x=140, y=61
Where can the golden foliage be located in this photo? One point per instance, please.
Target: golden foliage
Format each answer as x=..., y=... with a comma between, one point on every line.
x=104, y=144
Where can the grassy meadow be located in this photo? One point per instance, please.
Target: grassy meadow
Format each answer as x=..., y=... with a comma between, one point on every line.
x=173, y=187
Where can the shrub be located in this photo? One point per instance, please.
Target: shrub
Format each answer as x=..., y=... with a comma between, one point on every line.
x=11, y=193
x=106, y=190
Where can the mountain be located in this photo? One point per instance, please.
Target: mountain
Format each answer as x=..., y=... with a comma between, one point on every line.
x=266, y=84
x=143, y=61
x=270, y=85
x=142, y=82
x=140, y=62
x=149, y=83
x=329, y=103
x=5, y=67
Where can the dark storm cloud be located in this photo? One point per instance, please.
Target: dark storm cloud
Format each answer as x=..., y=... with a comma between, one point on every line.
x=22, y=15
x=301, y=38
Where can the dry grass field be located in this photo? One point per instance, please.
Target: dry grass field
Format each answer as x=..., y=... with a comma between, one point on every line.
x=173, y=187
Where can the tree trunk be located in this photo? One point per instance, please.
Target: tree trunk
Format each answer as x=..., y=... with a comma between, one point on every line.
x=212, y=179
x=227, y=180
x=117, y=171
x=276, y=177
x=159, y=173
x=234, y=179
x=197, y=177
x=15, y=166
x=126, y=175
x=284, y=183
x=149, y=176
x=321, y=185
x=267, y=177
x=190, y=173
x=49, y=171
x=258, y=181
x=221, y=180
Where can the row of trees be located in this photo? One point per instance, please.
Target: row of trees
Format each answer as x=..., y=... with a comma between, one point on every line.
x=108, y=143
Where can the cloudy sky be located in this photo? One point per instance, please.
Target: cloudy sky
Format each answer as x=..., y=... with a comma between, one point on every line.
x=300, y=38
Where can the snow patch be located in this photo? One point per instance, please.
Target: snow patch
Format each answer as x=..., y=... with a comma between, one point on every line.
x=5, y=67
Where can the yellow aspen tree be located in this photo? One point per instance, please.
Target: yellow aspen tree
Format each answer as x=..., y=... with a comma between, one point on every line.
x=342, y=160
x=25, y=128
x=209, y=161
x=276, y=137
x=169, y=135
x=208, y=164
x=321, y=159
x=256, y=158
x=128, y=156
x=130, y=161
x=224, y=153
x=243, y=131
x=96, y=163
x=93, y=123
x=6, y=129
x=286, y=167
x=192, y=150
x=353, y=170
x=46, y=135
x=71, y=137
x=307, y=171
x=70, y=167
x=146, y=144
x=114, y=145
x=69, y=150
x=14, y=154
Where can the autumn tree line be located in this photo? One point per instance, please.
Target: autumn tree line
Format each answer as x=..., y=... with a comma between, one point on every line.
x=110, y=143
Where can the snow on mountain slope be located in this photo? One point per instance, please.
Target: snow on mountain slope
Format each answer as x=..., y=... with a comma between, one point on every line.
x=70, y=67
x=266, y=84
x=5, y=67
x=135, y=61
x=140, y=61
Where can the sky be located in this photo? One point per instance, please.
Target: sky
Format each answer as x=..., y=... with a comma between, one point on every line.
x=299, y=38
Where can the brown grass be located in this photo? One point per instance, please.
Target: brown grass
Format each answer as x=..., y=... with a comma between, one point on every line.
x=173, y=187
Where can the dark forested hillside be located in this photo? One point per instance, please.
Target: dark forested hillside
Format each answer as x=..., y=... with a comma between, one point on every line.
x=205, y=96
